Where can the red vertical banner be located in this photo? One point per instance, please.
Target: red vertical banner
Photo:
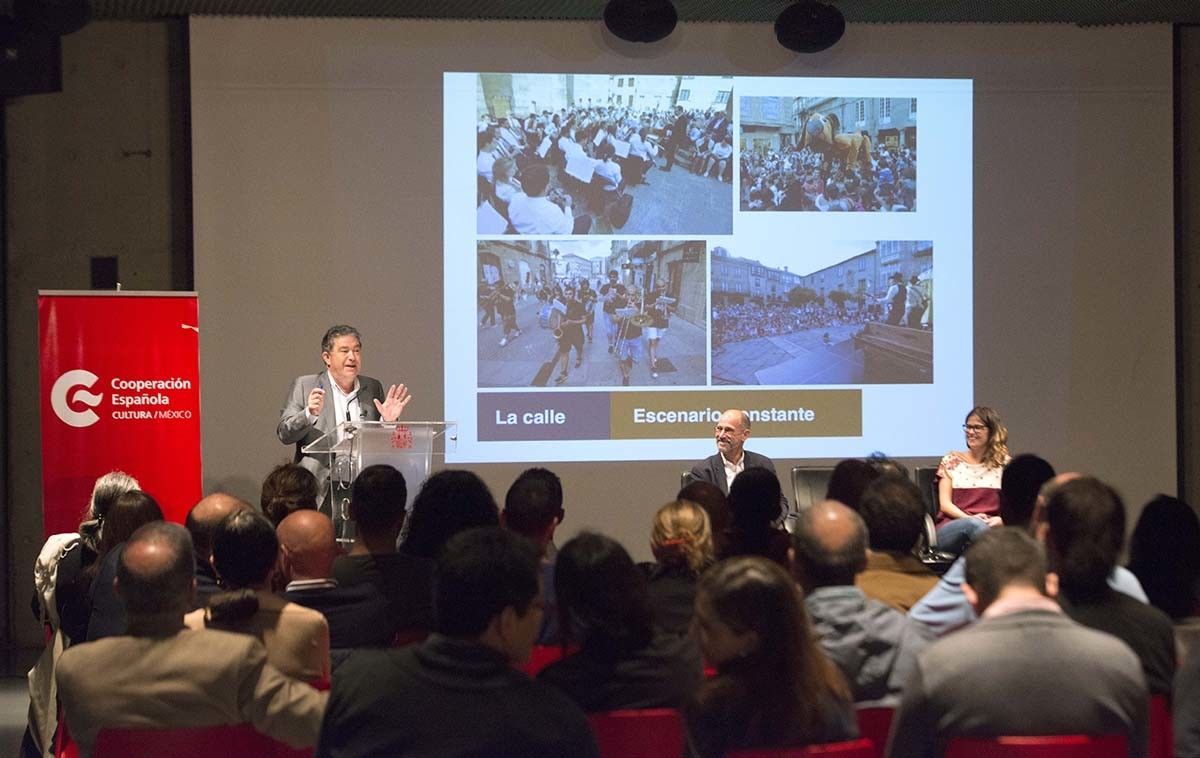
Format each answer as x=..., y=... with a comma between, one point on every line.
x=120, y=389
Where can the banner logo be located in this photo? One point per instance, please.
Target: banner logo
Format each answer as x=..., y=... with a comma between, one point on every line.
x=72, y=387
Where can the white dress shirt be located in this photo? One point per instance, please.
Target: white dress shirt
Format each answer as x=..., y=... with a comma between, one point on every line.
x=537, y=215
x=733, y=469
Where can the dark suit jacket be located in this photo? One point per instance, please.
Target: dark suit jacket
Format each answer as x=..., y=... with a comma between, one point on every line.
x=448, y=698
x=294, y=427
x=712, y=469
x=357, y=615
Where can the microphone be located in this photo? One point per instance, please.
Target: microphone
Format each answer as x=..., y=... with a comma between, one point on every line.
x=350, y=400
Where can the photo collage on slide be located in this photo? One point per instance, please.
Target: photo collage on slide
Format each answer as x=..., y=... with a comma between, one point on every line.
x=829, y=309
x=598, y=197
x=607, y=253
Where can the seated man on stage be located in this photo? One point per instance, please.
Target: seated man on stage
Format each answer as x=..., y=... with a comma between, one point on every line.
x=306, y=416
x=731, y=459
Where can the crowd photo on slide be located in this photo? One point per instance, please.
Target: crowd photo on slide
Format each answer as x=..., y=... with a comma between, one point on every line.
x=828, y=154
x=592, y=313
x=568, y=154
x=864, y=318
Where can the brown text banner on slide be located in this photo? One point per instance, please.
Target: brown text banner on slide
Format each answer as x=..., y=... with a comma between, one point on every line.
x=773, y=413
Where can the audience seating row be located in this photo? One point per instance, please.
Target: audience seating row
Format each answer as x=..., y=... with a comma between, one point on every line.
x=649, y=733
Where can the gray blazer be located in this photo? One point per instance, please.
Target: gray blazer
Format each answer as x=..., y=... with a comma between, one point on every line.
x=1024, y=673
x=295, y=429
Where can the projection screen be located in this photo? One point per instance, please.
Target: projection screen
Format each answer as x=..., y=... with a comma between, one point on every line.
x=336, y=180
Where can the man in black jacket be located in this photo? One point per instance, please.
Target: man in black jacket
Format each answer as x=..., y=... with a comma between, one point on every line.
x=678, y=138
x=457, y=694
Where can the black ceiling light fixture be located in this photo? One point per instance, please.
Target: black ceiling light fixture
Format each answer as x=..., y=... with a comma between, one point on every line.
x=640, y=20
x=809, y=26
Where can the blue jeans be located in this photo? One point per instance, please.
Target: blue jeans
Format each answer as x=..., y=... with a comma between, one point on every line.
x=957, y=535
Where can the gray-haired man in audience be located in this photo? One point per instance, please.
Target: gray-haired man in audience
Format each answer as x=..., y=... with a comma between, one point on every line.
x=873, y=644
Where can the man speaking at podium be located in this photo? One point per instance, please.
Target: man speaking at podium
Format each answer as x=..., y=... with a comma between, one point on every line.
x=317, y=403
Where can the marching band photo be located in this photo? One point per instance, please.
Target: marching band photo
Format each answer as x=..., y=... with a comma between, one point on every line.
x=587, y=313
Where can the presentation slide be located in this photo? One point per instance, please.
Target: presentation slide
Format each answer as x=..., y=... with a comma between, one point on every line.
x=629, y=255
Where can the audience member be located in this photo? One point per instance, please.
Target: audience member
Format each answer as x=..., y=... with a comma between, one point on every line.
x=710, y=497
x=1186, y=699
x=289, y=487
x=1023, y=669
x=774, y=687
x=894, y=514
x=737, y=322
x=60, y=603
x=754, y=499
x=377, y=501
x=357, y=614
x=1084, y=532
x=945, y=608
x=163, y=675
x=244, y=554
x=848, y=480
x=1164, y=555
x=681, y=540
x=132, y=509
x=457, y=693
x=201, y=522
x=1121, y=579
x=873, y=644
x=533, y=508
x=623, y=661
x=797, y=178
x=532, y=211
x=71, y=554
x=449, y=502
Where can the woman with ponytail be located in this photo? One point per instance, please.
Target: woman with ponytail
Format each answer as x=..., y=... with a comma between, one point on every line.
x=681, y=540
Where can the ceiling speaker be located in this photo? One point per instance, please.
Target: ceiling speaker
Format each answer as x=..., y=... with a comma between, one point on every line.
x=809, y=26
x=640, y=20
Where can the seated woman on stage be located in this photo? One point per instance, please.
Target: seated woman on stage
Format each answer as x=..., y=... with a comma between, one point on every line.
x=774, y=687
x=623, y=660
x=969, y=481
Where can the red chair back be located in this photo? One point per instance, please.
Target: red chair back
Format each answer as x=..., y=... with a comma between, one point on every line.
x=874, y=725
x=649, y=733
x=192, y=742
x=1162, y=736
x=541, y=657
x=1050, y=746
x=860, y=748
x=406, y=637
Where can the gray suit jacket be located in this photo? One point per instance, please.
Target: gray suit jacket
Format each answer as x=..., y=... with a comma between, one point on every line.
x=294, y=427
x=1026, y=673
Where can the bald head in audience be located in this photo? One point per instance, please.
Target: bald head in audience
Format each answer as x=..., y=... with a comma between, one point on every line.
x=830, y=546
x=204, y=516
x=307, y=542
x=155, y=574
